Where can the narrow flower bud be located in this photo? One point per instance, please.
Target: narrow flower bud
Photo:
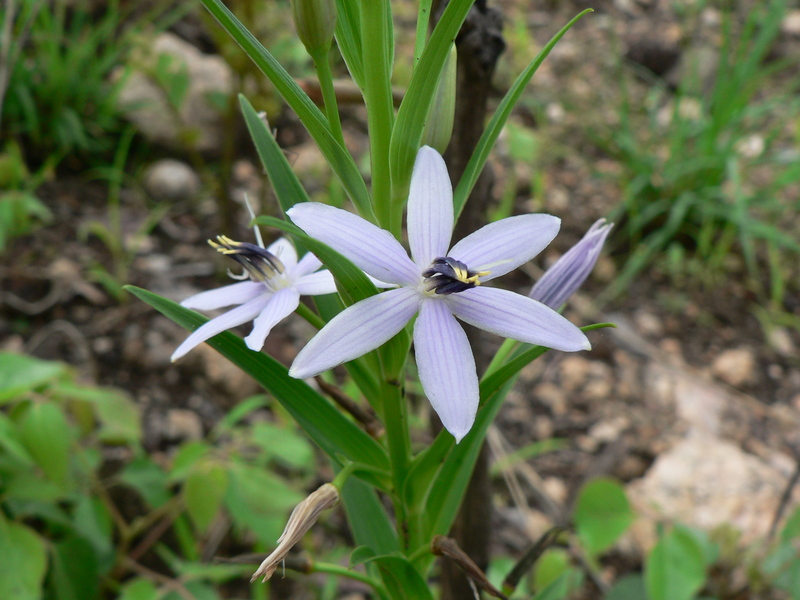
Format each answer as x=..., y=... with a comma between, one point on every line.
x=315, y=21
x=439, y=126
x=303, y=517
x=568, y=273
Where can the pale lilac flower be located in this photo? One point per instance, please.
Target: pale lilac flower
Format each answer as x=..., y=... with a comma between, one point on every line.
x=569, y=272
x=439, y=284
x=272, y=292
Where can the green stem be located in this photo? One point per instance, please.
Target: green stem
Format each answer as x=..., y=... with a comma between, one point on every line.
x=500, y=356
x=325, y=76
x=333, y=569
x=310, y=316
x=423, y=17
x=395, y=419
x=378, y=52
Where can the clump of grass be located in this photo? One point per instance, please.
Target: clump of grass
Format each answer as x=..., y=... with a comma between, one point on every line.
x=714, y=175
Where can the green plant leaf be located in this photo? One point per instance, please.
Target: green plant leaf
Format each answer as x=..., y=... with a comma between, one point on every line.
x=23, y=561
x=74, y=574
x=288, y=189
x=203, y=492
x=312, y=118
x=564, y=585
x=492, y=131
x=148, y=479
x=402, y=580
x=348, y=38
x=45, y=432
x=139, y=589
x=552, y=564
x=285, y=444
x=416, y=104
x=367, y=517
x=602, y=514
x=627, y=587
x=360, y=555
x=331, y=430
x=20, y=374
x=675, y=568
x=119, y=417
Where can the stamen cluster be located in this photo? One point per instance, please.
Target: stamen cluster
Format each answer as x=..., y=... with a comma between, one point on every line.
x=449, y=276
x=259, y=263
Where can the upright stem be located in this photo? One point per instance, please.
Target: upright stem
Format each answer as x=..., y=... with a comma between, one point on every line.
x=395, y=419
x=325, y=76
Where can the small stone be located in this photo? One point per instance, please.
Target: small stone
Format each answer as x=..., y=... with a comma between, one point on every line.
x=780, y=341
x=171, y=180
x=791, y=23
x=183, y=425
x=735, y=367
x=552, y=396
x=573, y=371
x=608, y=430
x=556, y=489
x=102, y=345
x=649, y=324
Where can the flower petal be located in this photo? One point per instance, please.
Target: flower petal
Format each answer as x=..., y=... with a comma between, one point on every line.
x=517, y=317
x=372, y=249
x=430, y=208
x=284, y=250
x=281, y=305
x=356, y=330
x=446, y=367
x=504, y=245
x=232, y=318
x=308, y=264
x=568, y=273
x=228, y=295
x=316, y=284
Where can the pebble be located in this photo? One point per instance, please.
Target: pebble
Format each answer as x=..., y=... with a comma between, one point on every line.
x=573, y=370
x=736, y=367
x=183, y=425
x=171, y=180
x=791, y=23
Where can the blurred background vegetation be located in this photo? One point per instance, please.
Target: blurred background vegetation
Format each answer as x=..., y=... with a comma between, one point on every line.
x=122, y=150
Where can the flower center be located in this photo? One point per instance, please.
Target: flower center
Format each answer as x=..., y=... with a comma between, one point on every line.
x=449, y=276
x=257, y=262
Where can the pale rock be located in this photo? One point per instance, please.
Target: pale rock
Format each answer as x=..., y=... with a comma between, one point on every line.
x=648, y=324
x=171, y=180
x=552, y=396
x=736, y=367
x=609, y=430
x=573, y=370
x=706, y=483
x=222, y=373
x=556, y=489
x=791, y=23
x=145, y=103
x=780, y=341
x=183, y=425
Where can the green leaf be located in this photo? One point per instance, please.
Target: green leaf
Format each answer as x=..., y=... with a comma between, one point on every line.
x=119, y=417
x=602, y=514
x=259, y=501
x=331, y=430
x=287, y=186
x=47, y=435
x=492, y=131
x=93, y=522
x=187, y=456
x=367, y=517
x=148, y=479
x=203, y=493
x=23, y=561
x=12, y=445
x=74, y=575
x=139, y=589
x=360, y=555
x=285, y=444
x=561, y=587
x=20, y=374
x=551, y=565
x=413, y=111
x=402, y=580
x=675, y=568
x=312, y=118
x=348, y=38
x=628, y=587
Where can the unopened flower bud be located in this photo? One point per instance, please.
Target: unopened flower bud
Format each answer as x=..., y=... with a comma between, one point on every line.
x=563, y=279
x=303, y=517
x=439, y=126
x=315, y=21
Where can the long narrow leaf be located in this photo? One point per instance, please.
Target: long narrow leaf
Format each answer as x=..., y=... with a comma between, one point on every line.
x=331, y=430
x=492, y=131
x=312, y=118
x=288, y=188
x=413, y=111
x=348, y=37
x=368, y=519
